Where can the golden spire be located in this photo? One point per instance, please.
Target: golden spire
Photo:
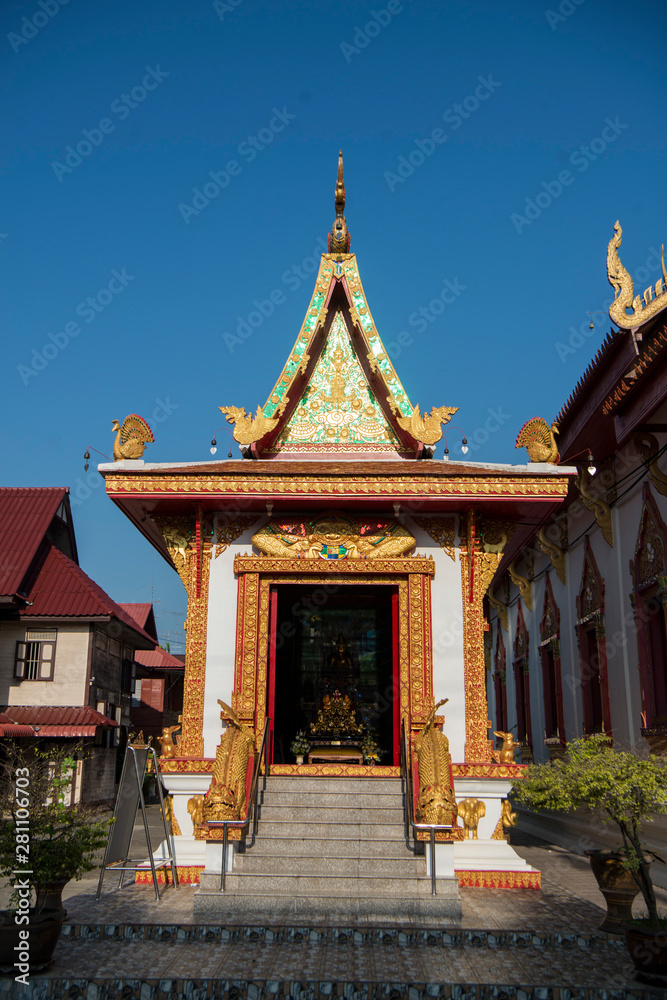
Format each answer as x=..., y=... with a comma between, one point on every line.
x=339, y=237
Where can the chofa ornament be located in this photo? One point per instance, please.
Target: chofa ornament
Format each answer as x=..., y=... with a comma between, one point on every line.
x=427, y=428
x=132, y=438
x=642, y=307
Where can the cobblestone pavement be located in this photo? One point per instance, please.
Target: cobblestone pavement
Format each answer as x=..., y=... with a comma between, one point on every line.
x=508, y=945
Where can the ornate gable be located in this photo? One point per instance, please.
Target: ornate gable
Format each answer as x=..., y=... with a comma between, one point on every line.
x=338, y=391
x=651, y=548
x=550, y=624
x=590, y=599
x=521, y=637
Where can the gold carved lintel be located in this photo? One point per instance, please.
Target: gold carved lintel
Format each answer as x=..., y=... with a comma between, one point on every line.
x=360, y=567
x=333, y=537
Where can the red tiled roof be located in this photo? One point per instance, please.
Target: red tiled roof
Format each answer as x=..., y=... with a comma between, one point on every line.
x=143, y=615
x=62, y=589
x=25, y=515
x=158, y=658
x=56, y=721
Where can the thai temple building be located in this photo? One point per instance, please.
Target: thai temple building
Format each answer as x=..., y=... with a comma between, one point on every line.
x=577, y=642
x=337, y=577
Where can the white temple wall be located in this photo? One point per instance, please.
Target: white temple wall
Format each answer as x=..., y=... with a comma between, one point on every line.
x=221, y=634
x=613, y=563
x=447, y=637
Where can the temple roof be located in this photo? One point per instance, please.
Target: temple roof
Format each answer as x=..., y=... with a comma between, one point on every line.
x=338, y=392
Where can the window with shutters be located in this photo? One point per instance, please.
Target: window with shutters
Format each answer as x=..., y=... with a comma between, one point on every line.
x=36, y=655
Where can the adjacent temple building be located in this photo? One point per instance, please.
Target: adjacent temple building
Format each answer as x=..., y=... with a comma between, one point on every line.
x=336, y=577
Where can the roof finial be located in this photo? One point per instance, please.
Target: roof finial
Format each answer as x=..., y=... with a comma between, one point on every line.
x=339, y=237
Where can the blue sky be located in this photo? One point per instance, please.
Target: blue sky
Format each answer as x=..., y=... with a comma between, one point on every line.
x=489, y=150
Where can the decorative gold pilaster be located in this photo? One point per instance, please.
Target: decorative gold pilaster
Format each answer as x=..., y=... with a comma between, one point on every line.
x=189, y=546
x=477, y=570
x=191, y=741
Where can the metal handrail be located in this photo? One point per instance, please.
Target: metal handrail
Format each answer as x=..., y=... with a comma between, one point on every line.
x=409, y=809
x=243, y=824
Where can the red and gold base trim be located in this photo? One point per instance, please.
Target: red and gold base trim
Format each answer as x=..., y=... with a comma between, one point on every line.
x=441, y=836
x=205, y=832
x=187, y=875
x=505, y=771
x=498, y=879
x=334, y=771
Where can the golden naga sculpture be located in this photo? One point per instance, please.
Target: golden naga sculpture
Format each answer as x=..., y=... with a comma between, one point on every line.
x=248, y=429
x=436, y=803
x=428, y=428
x=648, y=447
x=523, y=583
x=170, y=816
x=555, y=553
x=196, y=810
x=336, y=718
x=506, y=753
x=599, y=507
x=132, y=438
x=539, y=440
x=226, y=797
x=643, y=307
x=471, y=811
x=333, y=537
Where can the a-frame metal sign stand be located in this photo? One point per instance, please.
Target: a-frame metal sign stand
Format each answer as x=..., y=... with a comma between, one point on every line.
x=130, y=796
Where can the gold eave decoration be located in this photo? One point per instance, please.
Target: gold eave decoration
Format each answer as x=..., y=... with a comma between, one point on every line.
x=248, y=429
x=642, y=307
x=427, y=429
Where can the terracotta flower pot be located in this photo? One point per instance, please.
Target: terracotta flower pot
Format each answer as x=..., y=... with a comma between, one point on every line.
x=617, y=886
x=648, y=950
x=44, y=929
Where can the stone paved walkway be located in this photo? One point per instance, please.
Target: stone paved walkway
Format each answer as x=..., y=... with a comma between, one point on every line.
x=508, y=945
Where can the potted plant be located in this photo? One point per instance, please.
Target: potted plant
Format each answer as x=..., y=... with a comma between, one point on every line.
x=370, y=749
x=300, y=746
x=627, y=789
x=43, y=844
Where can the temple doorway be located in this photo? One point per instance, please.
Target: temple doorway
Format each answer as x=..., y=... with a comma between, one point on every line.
x=340, y=641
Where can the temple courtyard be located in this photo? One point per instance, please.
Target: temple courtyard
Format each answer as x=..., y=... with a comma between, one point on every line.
x=508, y=945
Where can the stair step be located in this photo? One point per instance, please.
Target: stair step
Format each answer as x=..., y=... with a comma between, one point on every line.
x=332, y=815
x=334, y=847
x=343, y=887
x=405, y=867
x=341, y=786
x=333, y=800
x=420, y=910
x=298, y=828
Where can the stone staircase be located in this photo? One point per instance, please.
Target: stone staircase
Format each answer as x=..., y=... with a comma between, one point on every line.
x=329, y=849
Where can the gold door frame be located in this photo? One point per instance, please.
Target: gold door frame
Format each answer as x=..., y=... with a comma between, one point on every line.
x=411, y=578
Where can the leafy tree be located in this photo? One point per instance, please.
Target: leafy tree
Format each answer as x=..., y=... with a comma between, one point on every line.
x=625, y=787
x=61, y=840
